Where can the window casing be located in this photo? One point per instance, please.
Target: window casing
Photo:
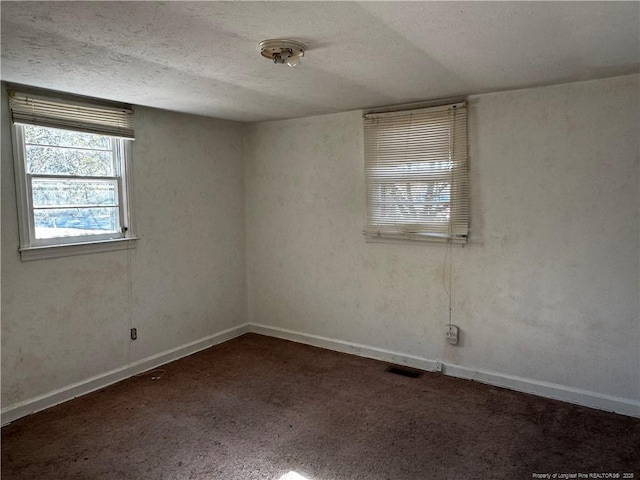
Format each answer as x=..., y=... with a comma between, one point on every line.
x=416, y=171
x=72, y=178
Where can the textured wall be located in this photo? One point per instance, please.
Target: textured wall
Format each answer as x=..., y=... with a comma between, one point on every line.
x=67, y=319
x=547, y=288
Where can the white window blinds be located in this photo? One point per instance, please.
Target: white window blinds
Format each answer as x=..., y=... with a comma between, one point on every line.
x=417, y=174
x=53, y=113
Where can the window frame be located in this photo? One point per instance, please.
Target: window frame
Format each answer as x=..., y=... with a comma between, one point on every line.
x=377, y=138
x=32, y=248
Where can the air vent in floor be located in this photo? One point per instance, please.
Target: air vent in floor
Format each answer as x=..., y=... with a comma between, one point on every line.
x=405, y=372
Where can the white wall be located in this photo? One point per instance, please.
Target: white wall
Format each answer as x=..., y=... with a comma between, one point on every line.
x=67, y=319
x=547, y=289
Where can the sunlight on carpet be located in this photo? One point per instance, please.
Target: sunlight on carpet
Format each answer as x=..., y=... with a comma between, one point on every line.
x=293, y=476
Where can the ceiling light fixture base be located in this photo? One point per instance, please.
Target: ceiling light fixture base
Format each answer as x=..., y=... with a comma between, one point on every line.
x=282, y=51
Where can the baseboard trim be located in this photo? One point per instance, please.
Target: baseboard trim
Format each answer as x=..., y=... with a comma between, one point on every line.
x=55, y=397
x=347, y=347
x=554, y=391
x=544, y=389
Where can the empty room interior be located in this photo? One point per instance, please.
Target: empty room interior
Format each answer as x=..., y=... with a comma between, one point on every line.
x=320, y=240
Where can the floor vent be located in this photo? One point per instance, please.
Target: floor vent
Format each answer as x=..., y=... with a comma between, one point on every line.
x=405, y=372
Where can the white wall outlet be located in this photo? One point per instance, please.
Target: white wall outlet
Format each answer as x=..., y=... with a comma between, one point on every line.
x=451, y=334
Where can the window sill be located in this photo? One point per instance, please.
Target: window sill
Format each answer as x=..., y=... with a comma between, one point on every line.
x=55, y=251
x=414, y=240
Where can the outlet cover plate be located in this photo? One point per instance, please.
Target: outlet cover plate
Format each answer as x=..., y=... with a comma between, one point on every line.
x=451, y=334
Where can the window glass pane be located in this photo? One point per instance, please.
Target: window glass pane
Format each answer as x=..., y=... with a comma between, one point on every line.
x=37, y=135
x=62, y=152
x=68, y=161
x=413, y=202
x=71, y=222
x=60, y=192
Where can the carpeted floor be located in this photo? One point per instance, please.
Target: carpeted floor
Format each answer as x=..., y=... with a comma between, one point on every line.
x=262, y=408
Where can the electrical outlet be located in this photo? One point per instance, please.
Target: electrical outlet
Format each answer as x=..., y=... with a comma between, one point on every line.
x=134, y=333
x=437, y=367
x=451, y=334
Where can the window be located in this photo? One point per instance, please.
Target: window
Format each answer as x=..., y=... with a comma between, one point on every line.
x=417, y=174
x=71, y=163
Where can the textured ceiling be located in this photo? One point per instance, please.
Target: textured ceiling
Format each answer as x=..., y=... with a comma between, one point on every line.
x=202, y=57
